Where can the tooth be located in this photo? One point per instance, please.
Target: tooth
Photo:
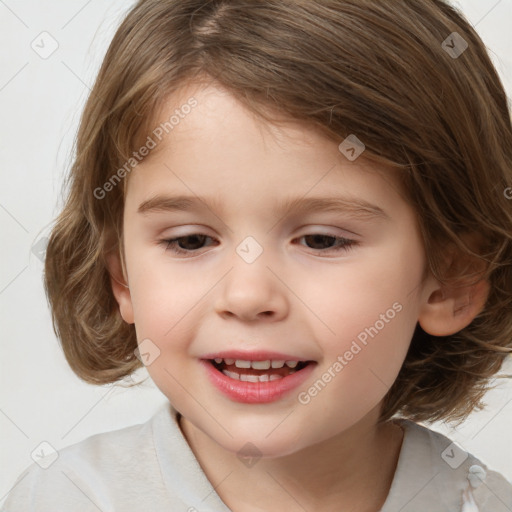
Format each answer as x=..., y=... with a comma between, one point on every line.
x=240, y=363
x=231, y=375
x=277, y=364
x=275, y=377
x=248, y=378
x=261, y=365
x=292, y=364
x=229, y=361
x=218, y=360
x=263, y=378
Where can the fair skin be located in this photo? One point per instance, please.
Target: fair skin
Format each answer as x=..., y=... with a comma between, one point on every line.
x=295, y=298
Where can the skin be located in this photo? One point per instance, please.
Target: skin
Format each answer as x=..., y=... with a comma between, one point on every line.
x=295, y=298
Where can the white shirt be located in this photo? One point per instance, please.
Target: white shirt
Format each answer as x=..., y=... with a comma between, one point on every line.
x=151, y=468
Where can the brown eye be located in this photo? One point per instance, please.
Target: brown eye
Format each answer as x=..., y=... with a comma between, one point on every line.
x=185, y=244
x=321, y=242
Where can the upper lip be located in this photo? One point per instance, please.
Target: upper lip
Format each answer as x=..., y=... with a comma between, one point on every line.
x=257, y=355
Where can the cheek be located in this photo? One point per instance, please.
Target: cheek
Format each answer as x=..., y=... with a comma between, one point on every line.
x=162, y=294
x=352, y=298
x=361, y=360
x=369, y=346
x=368, y=316
x=164, y=302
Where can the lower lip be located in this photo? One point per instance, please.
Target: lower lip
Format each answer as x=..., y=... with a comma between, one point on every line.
x=256, y=392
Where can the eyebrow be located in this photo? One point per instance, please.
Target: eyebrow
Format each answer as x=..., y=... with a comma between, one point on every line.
x=354, y=206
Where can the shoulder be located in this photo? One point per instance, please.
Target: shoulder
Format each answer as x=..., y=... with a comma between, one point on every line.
x=87, y=475
x=437, y=473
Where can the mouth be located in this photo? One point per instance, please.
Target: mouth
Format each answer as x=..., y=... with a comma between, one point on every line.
x=257, y=370
x=256, y=377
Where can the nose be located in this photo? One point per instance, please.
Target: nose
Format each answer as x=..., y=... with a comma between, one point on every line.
x=252, y=291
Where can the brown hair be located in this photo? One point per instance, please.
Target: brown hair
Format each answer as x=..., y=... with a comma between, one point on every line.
x=377, y=69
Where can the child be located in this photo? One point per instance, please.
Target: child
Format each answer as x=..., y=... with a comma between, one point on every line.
x=296, y=371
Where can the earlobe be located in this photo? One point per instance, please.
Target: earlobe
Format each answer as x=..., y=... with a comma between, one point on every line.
x=119, y=287
x=450, y=309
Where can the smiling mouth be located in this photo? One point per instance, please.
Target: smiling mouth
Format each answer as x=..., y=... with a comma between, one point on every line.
x=257, y=371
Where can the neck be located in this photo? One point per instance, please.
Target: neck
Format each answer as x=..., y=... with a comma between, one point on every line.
x=329, y=475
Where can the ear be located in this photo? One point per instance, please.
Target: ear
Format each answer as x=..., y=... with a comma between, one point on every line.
x=449, y=308
x=119, y=287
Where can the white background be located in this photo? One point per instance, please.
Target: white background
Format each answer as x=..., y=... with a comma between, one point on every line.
x=40, y=103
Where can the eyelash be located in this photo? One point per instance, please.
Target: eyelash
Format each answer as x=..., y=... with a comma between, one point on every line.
x=344, y=244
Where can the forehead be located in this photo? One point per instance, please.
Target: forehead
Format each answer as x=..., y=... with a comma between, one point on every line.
x=212, y=145
x=206, y=106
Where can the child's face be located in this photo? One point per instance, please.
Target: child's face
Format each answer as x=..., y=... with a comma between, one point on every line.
x=350, y=310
